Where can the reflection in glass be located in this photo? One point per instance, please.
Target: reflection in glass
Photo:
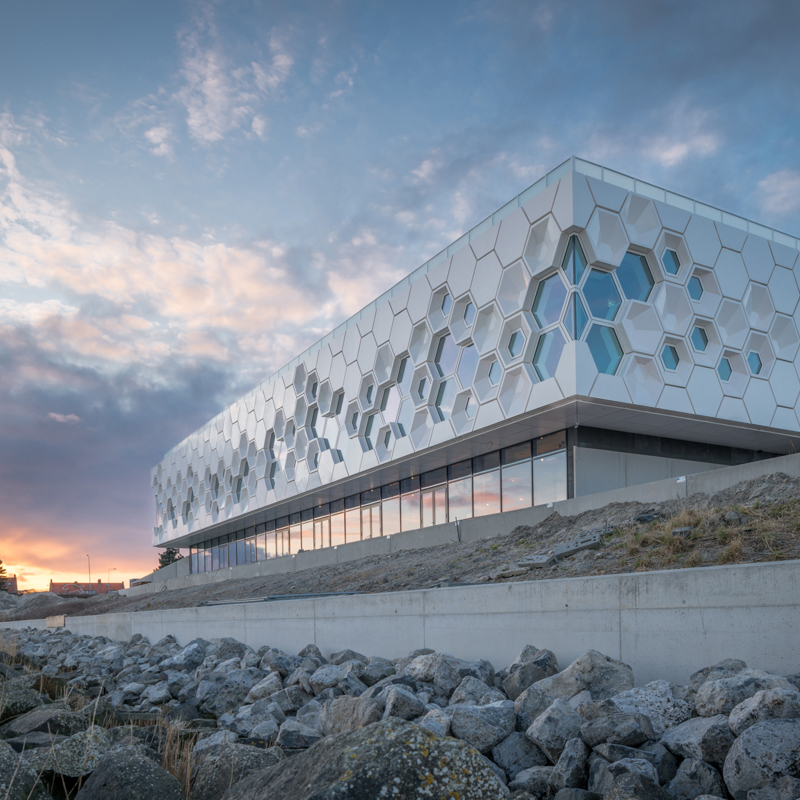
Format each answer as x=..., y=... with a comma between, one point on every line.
x=445, y=398
x=695, y=287
x=550, y=478
x=495, y=370
x=337, y=530
x=460, y=498
x=371, y=521
x=427, y=509
x=602, y=295
x=404, y=376
x=446, y=355
x=391, y=516
x=635, y=277
x=409, y=511
x=270, y=549
x=548, y=354
x=486, y=493
x=467, y=365
x=699, y=339
x=671, y=262
x=352, y=524
x=307, y=537
x=240, y=557
x=576, y=317
x=605, y=348
x=724, y=369
x=574, y=262
x=215, y=558
x=390, y=402
x=754, y=362
x=669, y=355
x=517, y=486
x=549, y=301
x=469, y=314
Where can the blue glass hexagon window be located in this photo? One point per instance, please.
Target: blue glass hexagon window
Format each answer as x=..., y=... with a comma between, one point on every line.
x=469, y=313
x=754, y=362
x=515, y=343
x=605, y=348
x=467, y=365
x=446, y=355
x=390, y=402
x=447, y=304
x=635, y=277
x=404, y=376
x=387, y=439
x=494, y=373
x=602, y=295
x=368, y=431
x=574, y=262
x=671, y=262
x=576, y=317
x=670, y=358
x=695, y=287
x=724, y=369
x=548, y=353
x=699, y=339
x=549, y=301
x=445, y=398
x=421, y=387
x=470, y=408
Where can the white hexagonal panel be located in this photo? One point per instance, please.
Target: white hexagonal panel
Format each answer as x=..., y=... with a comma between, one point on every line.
x=641, y=221
x=606, y=238
x=673, y=307
x=540, y=252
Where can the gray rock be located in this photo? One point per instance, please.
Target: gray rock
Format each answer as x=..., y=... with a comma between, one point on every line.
x=765, y=752
x=345, y=714
x=329, y=675
x=447, y=671
x=600, y=779
x=631, y=730
x=277, y=661
x=157, y=694
x=541, y=665
x=535, y=780
x=570, y=771
x=375, y=671
x=723, y=695
x=706, y=738
x=293, y=735
x=639, y=766
x=265, y=687
x=17, y=779
x=785, y=788
x=291, y=699
x=594, y=709
x=19, y=698
x=52, y=719
x=577, y=794
x=763, y=705
x=665, y=763
x=483, y=726
x=600, y=675
x=347, y=655
x=266, y=730
x=722, y=669
x=517, y=753
x=362, y=763
x=74, y=757
x=659, y=702
x=470, y=691
x=552, y=729
x=436, y=721
x=402, y=703
x=310, y=714
x=616, y=752
x=190, y=658
x=635, y=787
x=215, y=740
x=311, y=650
x=694, y=778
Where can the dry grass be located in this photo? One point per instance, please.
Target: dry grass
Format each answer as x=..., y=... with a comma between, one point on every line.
x=732, y=552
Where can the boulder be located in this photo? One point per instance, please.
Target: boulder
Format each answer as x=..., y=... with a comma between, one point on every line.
x=329, y=675
x=722, y=669
x=600, y=779
x=376, y=670
x=659, y=701
x=763, y=705
x=215, y=740
x=447, y=671
x=570, y=771
x=310, y=714
x=347, y=655
x=277, y=661
x=19, y=698
x=73, y=757
x=189, y=659
x=765, y=752
x=363, y=763
x=130, y=773
x=224, y=766
x=517, y=753
x=665, y=763
x=293, y=735
x=540, y=665
x=17, y=780
x=291, y=699
x=535, y=780
x=632, y=786
x=483, y=726
x=638, y=766
x=594, y=709
x=402, y=703
x=600, y=675
x=470, y=691
x=157, y=694
x=723, y=695
x=631, y=730
x=576, y=794
x=694, y=778
x=344, y=714
x=616, y=752
x=551, y=730
x=265, y=687
x=706, y=738
x=51, y=719
x=436, y=721
x=785, y=788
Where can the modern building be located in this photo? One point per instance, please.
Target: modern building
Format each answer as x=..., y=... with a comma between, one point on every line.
x=11, y=584
x=596, y=332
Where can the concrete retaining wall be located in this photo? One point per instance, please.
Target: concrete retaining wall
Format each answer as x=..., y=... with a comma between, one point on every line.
x=714, y=480
x=664, y=624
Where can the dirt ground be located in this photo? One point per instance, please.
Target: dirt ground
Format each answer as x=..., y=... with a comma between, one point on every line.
x=756, y=520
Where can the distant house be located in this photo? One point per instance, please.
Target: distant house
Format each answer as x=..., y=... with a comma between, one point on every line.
x=78, y=588
x=11, y=584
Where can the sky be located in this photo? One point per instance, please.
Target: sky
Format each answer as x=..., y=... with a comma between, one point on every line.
x=191, y=193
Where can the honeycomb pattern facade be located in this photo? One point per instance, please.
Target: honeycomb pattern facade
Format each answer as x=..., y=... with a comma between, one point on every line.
x=585, y=289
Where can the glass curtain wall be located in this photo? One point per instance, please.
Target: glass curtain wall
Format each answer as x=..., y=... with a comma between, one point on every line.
x=525, y=474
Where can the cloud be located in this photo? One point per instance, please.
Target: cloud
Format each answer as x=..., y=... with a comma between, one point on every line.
x=779, y=193
x=67, y=419
x=308, y=131
x=160, y=137
x=688, y=134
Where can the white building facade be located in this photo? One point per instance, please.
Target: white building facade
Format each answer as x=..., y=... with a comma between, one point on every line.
x=595, y=332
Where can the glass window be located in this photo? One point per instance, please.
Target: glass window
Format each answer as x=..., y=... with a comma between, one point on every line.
x=467, y=365
x=223, y=553
x=669, y=355
x=390, y=490
x=517, y=452
x=724, y=369
x=549, y=301
x=215, y=558
x=635, y=277
x=602, y=295
x=282, y=542
x=322, y=532
x=487, y=462
x=390, y=509
x=447, y=304
x=671, y=262
x=550, y=478
x=371, y=521
x=695, y=287
x=427, y=509
x=445, y=399
x=337, y=529
x=605, y=348
x=699, y=339
x=574, y=262
x=459, y=470
x=576, y=317
x=193, y=559
x=517, y=486
x=515, y=343
x=409, y=485
x=404, y=375
x=390, y=404
x=460, y=498
x=548, y=354
x=409, y=511
x=495, y=370
x=550, y=443
x=469, y=314
x=295, y=538
x=486, y=493
x=446, y=355
x=352, y=525
x=754, y=362
x=434, y=477
x=434, y=507
x=270, y=549
x=307, y=536
x=207, y=558
x=372, y=496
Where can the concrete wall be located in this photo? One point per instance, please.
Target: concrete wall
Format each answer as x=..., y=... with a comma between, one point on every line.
x=664, y=624
x=605, y=470
x=471, y=530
